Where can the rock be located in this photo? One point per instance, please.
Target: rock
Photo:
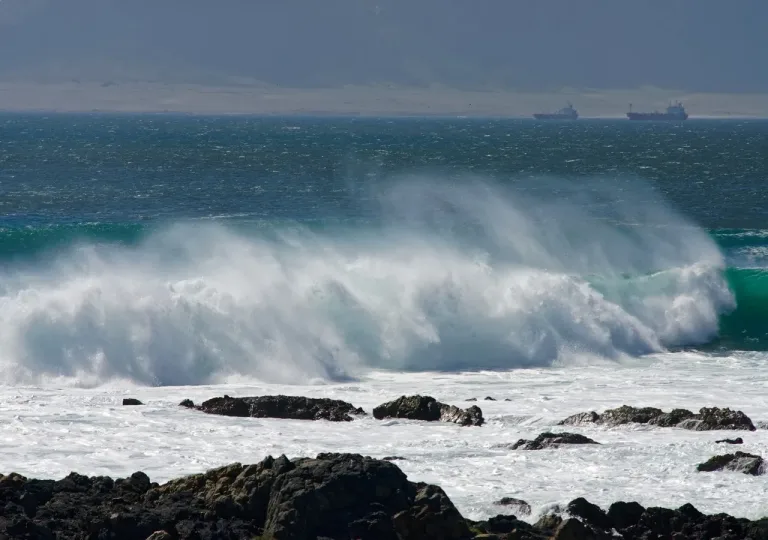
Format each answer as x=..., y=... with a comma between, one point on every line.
x=331, y=496
x=431, y=515
x=714, y=418
x=287, y=407
x=552, y=440
x=580, y=419
x=573, y=529
x=739, y=462
x=489, y=398
x=629, y=415
x=518, y=506
x=507, y=399
x=131, y=401
x=625, y=514
x=737, y=440
x=508, y=526
x=708, y=418
x=393, y=458
x=472, y=399
x=188, y=403
x=429, y=409
x=589, y=513
x=672, y=418
x=160, y=535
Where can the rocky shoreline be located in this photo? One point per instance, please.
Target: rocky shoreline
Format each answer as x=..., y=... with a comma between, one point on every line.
x=331, y=496
x=351, y=496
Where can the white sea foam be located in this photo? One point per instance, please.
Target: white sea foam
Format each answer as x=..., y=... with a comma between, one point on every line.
x=48, y=432
x=452, y=278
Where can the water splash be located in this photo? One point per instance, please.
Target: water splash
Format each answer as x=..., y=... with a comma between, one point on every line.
x=452, y=276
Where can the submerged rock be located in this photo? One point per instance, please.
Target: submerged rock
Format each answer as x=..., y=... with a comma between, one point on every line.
x=738, y=462
x=708, y=418
x=131, y=401
x=552, y=440
x=287, y=407
x=737, y=440
x=188, y=403
x=518, y=506
x=429, y=409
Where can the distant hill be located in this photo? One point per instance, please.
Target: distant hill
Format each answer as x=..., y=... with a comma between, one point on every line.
x=697, y=45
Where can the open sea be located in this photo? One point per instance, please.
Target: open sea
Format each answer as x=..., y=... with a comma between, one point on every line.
x=563, y=266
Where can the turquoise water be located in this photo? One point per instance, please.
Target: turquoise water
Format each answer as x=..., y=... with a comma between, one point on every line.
x=374, y=242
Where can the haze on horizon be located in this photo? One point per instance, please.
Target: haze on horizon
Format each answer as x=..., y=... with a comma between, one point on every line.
x=546, y=45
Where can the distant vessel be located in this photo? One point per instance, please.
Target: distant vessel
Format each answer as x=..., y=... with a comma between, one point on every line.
x=674, y=112
x=566, y=113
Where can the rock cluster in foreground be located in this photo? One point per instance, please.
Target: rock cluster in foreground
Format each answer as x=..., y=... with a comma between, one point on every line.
x=708, y=418
x=428, y=408
x=333, y=496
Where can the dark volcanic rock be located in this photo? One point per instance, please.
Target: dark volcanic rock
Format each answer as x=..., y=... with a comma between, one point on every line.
x=739, y=462
x=737, y=440
x=625, y=514
x=489, y=398
x=131, y=401
x=629, y=415
x=714, y=418
x=672, y=418
x=330, y=497
x=188, y=403
x=429, y=409
x=589, y=513
x=580, y=419
x=393, y=458
x=708, y=418
x=552, y=440
x=518, y=506
x=289, y=407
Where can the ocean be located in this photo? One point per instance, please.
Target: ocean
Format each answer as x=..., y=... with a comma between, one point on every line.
x=563, y=266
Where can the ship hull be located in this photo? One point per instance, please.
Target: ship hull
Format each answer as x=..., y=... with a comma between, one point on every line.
x=659, y=117
x=545, y=116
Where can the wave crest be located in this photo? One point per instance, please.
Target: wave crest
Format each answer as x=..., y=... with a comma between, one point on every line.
x=471, y=276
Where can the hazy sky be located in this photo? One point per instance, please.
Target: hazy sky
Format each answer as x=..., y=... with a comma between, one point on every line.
x=692, y=45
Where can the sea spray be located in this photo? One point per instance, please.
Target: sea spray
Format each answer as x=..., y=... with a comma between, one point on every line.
x=458, y=276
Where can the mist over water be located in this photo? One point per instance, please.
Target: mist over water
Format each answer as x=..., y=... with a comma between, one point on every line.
x=460, y=276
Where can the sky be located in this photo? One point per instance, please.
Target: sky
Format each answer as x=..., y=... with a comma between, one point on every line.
x=690, y=45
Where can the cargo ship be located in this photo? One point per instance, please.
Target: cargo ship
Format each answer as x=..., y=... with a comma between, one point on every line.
x=566, y=113
x=674, y=112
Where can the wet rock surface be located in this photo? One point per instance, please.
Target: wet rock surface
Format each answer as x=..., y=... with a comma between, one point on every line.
x=738, y=462
x=131, y=401
x=429, y=409
x=518, y=506
x=737, y=440
x=707, y=419
x=552, y=440
x=331, y=496
x=285, y=407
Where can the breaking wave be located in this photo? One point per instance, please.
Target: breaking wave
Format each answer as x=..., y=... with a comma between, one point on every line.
x=446, y=277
